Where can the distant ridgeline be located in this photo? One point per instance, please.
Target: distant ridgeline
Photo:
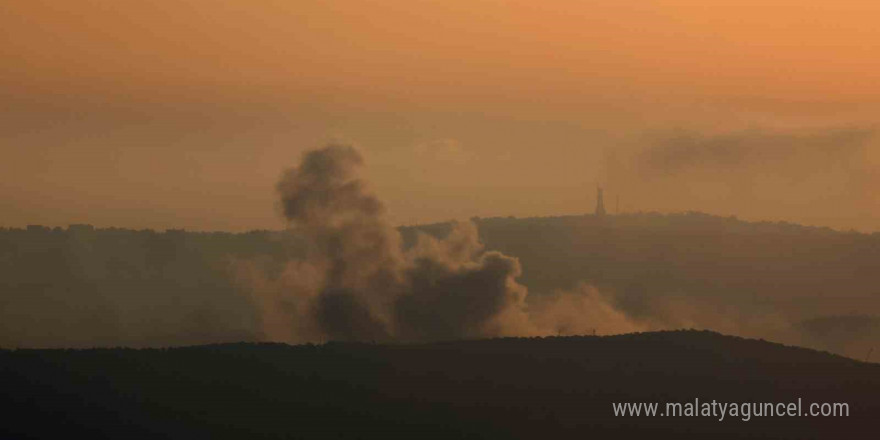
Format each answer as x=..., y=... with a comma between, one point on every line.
x=83, y=286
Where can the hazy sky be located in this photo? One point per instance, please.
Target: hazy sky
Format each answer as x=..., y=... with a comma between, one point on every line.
x=184, y=113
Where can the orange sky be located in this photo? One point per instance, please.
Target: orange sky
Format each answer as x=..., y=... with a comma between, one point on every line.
x=183, y=113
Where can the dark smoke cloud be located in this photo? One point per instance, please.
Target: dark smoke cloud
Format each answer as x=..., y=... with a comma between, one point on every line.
x=357, y=252
x=454, y=294
x=367, y=286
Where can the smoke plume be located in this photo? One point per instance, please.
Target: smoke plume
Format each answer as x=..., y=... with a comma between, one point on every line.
x=358, y=283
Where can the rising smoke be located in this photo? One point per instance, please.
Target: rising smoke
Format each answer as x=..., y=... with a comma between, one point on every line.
x=357, y=281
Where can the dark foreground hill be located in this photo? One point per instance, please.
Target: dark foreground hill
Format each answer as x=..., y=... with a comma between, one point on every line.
x=502, y=388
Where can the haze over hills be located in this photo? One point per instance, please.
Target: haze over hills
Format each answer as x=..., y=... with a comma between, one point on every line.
x=808, y=286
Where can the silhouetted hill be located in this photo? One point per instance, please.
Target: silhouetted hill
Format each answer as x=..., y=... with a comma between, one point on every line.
x=561, y=387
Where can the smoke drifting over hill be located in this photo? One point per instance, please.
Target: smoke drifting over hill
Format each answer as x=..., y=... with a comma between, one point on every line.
x=364, y=285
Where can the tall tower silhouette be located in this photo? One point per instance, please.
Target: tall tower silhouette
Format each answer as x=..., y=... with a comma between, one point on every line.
x=600, y=202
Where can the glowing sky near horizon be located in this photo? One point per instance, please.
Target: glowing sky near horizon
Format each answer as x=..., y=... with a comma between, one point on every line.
x=183, y=113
